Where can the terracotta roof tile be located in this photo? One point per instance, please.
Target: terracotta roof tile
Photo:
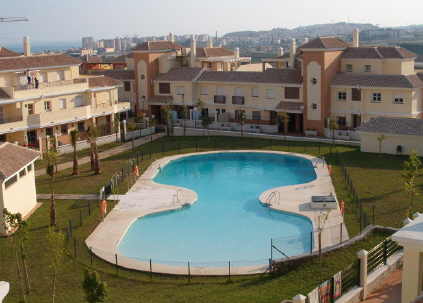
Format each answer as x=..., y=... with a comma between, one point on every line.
x=13, y=158
x=278, y=76
x=180, y=74
x=4, y=52
x=374, y=80
x=102, y=81
x=157, y=46
x=325, y=43
x=398, y=126
x=37, y=61
x=205, y=52
x=377, y=52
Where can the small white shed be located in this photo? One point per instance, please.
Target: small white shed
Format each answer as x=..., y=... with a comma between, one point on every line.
x=17, y=181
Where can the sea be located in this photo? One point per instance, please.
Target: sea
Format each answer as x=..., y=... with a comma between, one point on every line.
x=39, y=47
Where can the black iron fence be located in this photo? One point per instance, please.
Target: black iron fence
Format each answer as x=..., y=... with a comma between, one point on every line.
x=379, y=254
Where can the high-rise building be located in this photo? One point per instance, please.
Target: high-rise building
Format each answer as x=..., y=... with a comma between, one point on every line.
x=88, y=42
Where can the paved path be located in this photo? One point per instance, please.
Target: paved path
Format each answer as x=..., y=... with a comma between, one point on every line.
x=104, y=154
x=389, y=291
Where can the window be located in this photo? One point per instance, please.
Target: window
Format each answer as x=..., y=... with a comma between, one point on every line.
x=367, y=68
x=30, y=109
x=29, y=167
x=255, y=92
x=49, y=131
x=356, y=120
x=377, y=97
x=204, y=91
x=349, y=68
x=270, y=94
x=341, y=122
x=239, y=100
x=180, y=90
x=81, y=126
x=209, y=65
x=22, y=173
x=219, y=99
x=342, y=96
x=142, y=77
x=314, y=81
x=11, y=181
x=256, y=115
x=398, y=100
x=47, y=106
x=78, y=101
x=62, y=103
x=356, y=94
x=127, y=86
x=164, y=88
x=314, y=106
x=292, y=93
x=64, y=129
x=61, y=75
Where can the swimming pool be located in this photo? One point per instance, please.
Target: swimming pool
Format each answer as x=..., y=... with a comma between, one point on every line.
x=228, y=222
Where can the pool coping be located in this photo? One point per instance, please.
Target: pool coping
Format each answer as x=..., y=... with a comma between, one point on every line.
x=105, y=239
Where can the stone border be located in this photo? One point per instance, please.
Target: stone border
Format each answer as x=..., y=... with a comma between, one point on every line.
x=105, y=239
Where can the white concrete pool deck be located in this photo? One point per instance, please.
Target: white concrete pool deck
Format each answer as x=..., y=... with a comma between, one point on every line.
x=147, y=197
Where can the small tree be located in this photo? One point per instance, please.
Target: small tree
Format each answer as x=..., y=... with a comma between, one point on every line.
x=242, y=119
x=184, y=117
x=200, y=106
x=95, y=289
x=205, y=122
x=74, y=139
x=95, y=161
x=410, y=173
x=167, y=118
x=56, y=252
x=380, y=140
x=51, y=158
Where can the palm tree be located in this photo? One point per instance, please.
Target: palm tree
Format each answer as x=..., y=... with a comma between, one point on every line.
x=200, y=106
x=284, y=118
x=95, y=161
x=74, y=138
x=116, y=127
x=380, y=139
x=51, y=158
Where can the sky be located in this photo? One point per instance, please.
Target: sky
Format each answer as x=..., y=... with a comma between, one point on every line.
x=69, y=20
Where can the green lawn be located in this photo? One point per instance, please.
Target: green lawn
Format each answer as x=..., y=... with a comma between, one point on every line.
x=130, y=286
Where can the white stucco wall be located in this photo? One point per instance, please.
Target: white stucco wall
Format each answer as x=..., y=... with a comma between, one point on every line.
x=369, y=143
x=314, y=70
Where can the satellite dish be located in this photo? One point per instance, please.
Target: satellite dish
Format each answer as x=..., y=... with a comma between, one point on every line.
x=4, y=290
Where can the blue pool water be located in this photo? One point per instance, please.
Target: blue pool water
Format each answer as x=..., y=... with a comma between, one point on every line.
x=228, y=222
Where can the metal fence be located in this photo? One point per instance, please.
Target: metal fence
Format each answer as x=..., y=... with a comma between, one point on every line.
x=379, y=254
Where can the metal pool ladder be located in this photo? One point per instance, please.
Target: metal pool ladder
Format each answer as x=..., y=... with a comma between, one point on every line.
x=273, y=198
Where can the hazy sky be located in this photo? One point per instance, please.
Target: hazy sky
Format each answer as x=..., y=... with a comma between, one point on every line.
x=68, y=20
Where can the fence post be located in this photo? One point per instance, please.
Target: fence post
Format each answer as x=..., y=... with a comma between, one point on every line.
x=189, y=272
x=271, y=249
x=80, y=216
x=311, y=242
x=151, y=271
x=117, y=266
x=133, y=143
x=91, y=256
x=229, y=270
x=74, y=248
x=89, y=208
x=362, y=255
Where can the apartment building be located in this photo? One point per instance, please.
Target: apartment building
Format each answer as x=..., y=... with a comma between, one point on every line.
x=44, y=96
x=323, y=80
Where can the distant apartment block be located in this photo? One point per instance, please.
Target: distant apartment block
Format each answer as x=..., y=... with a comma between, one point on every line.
x=44, y=97
x=88, y=43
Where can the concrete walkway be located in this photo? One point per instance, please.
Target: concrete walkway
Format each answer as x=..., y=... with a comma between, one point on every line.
x=104, y=154
x=389, y=291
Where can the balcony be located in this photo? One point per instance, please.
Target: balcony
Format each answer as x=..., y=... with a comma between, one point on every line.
x=219, y=99
x=57, y=87
x=46, y=119
x=238, y=100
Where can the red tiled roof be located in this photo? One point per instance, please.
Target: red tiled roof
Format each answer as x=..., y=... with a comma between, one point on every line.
x=374, y=80
x=377, y=52
x=13, y=158
x=157, y=46
x=102, y=81
x=277, y=76
x=204, y=52
x=325, y=43
x=4, y=52
x=180, y=74
x=37, y=61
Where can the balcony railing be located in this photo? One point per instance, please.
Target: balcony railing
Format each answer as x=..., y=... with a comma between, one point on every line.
x=238, y=100
x=218, y=99
x=50, y=84
x=11, y=119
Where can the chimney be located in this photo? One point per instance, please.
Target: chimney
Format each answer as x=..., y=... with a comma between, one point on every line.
x=171, y=37
x=356, y=38
x=193, y=53
x=292, y=53
x=305, y=40
x=210, y=42
x=280, y=52
x=26, y=46
x=237, y=52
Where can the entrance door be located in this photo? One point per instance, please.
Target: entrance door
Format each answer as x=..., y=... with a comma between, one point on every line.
x=32, y=138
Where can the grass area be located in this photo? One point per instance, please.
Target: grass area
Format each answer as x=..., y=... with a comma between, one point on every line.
x=131, y=287
x=377, y=178
x=42, y=163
